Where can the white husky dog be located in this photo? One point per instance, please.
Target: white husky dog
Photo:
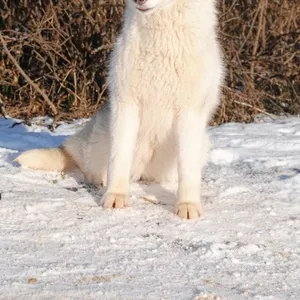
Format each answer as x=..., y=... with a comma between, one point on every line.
x=164, y=81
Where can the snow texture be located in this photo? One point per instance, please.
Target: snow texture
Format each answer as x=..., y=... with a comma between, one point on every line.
x=57, y=243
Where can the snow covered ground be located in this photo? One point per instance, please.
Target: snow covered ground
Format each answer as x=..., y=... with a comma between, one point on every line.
x=57, y=243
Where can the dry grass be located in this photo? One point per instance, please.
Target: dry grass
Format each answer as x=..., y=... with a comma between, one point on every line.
x=53, y=57
x=262, y=42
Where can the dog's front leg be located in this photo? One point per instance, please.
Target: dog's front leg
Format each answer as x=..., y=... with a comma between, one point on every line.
x=191, y=156
x=123, y=132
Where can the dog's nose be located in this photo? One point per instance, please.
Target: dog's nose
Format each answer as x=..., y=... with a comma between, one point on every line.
x=140, y=2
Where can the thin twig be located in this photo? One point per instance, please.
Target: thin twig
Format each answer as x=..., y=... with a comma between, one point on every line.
x=2, y=109
x=259, y=30
x=255, y=108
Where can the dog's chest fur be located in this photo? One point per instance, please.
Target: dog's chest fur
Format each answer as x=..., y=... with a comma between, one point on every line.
x=156, y=59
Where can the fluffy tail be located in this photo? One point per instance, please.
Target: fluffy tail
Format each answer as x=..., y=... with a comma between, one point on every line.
x=53, y=159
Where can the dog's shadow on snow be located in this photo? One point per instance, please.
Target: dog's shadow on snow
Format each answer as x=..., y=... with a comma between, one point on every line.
x=14, y=135
x=165, y=197
x=32, y=140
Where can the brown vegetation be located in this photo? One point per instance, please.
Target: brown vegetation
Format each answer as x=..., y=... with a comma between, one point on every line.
x=53, y=56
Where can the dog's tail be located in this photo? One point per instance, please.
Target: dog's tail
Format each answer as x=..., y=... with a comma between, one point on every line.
x=53, y=159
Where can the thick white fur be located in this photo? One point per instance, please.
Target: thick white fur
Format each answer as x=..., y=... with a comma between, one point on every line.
x=44, y=159
x=164, y=81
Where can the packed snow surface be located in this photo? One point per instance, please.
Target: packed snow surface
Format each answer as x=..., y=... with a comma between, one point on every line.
x=57, y=243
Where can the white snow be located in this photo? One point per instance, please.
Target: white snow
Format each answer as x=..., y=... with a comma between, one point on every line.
x=57, y=243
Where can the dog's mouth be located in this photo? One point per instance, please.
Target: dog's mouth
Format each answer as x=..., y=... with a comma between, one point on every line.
x=143, y=10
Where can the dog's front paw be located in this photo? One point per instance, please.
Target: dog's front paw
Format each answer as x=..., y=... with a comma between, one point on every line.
x=188, y=210
x=114, y=200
